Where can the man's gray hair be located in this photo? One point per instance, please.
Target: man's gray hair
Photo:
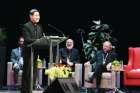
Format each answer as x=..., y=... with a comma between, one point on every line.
x=108, y=43
x=31, y=12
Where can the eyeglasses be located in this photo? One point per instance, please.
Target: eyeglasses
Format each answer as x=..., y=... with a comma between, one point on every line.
x=21, y=41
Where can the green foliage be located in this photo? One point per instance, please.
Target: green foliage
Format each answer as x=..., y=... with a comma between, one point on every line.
x=116, y=63
x=2, y=36
x=39, y=60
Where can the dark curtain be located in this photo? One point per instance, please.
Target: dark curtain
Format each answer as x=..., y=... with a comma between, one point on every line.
x=3, y=70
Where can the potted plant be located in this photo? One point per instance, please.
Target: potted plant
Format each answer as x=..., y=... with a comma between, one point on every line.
x=116, y=65
x=39, y=62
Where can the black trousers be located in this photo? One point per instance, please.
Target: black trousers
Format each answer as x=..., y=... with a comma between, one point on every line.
x=16, y=72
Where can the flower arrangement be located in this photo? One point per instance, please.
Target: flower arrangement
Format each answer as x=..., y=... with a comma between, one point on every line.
x=116, y=65
x=58, y=71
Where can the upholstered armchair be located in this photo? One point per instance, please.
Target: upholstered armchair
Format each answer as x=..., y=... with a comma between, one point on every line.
x=78, y=74
x=10, y=75
x=132, y=69
x=108, y=79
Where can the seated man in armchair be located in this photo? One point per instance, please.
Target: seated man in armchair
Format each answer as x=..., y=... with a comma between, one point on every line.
x=69, y=55
x=103, y=59
x=17, y=59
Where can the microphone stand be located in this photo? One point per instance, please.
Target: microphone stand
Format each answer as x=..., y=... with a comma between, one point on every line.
x=81, y=34
x=57, y=29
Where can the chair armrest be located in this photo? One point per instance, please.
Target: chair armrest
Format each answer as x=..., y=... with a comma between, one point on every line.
x=78, y=74
x=127, y=67
x=87, y=67
x=10, y=74
x=9, y=66
x=87, y=70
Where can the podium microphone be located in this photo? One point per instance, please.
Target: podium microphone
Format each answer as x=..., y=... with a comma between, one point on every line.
x=57, y=29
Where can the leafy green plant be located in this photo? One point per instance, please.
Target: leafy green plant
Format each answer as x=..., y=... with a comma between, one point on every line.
x=2, y=36
x=116, y=63
x=39, y=62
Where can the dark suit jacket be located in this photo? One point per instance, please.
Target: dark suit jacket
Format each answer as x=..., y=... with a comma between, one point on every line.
x=31, y=32
x=74, y=55
x=15, y=55
x=110, y=58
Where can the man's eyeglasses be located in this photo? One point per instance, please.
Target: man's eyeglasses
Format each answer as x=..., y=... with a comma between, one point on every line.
x=21, y=41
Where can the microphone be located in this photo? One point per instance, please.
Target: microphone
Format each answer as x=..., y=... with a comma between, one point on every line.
x=57, y=29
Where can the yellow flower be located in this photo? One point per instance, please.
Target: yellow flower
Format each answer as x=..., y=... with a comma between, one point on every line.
x=58, y=72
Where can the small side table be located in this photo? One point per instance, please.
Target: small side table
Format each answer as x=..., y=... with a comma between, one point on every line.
x=117, y=80
x=39, y=76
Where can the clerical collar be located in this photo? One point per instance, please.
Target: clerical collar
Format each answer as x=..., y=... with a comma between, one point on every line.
x=105, y=55
x=69, y=50
x=34, y=24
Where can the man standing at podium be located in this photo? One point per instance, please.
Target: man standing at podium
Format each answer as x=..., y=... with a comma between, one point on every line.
x=31, y=32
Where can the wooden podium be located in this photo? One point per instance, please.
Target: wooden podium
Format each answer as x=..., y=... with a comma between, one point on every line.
x=45, y=41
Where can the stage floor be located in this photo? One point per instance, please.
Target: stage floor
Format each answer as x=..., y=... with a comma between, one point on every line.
x=82, y=90
x=6, y=91
x=11, y=91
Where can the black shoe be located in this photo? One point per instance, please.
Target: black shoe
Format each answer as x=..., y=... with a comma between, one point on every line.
x=89, y=80
x=97, y=90
x=38, y=87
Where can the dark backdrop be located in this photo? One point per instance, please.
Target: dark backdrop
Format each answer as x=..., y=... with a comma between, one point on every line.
x=69, y=15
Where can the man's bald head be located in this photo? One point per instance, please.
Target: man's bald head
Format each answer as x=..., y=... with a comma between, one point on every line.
x=107, y=46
